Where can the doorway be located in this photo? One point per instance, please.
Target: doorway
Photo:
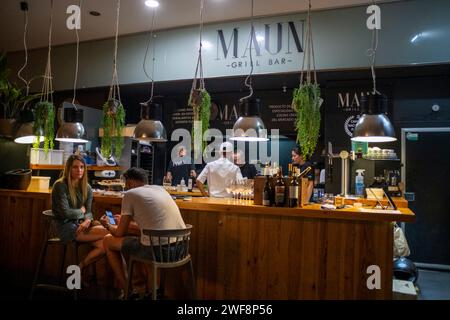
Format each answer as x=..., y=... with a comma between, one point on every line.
x=426, y=176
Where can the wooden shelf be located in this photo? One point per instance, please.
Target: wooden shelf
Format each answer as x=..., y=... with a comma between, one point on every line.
x=61, y=167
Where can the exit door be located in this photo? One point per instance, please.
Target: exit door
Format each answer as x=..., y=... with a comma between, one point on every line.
x=426, y=174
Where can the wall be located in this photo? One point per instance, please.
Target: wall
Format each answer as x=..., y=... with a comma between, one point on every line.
x=340, y=41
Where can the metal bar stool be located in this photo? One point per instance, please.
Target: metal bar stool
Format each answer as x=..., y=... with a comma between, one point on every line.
x=50, y=238
x=170, y=249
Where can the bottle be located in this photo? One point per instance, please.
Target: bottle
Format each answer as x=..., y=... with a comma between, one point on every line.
x=280, y=190
x=267, y=193
x=359, y=182
x=182, y=185
x=190, y=184
x=293, y=190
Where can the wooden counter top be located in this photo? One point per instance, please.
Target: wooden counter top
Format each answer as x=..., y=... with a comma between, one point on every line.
x=309, y=211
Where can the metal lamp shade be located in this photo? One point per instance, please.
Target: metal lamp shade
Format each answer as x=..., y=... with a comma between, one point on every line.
x=250, y=126
x=25, y=134
x=150, y=128
x=72, y=130
x=374, y=128
x=374, y=125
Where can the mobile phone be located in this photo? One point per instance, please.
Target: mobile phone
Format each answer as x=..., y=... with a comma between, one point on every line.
x=110, y=217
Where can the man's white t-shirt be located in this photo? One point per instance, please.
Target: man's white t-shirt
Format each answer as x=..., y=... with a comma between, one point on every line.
x=152, y=207
x=220, y=175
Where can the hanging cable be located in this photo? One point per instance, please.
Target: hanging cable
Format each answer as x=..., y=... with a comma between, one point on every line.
x=371, y=53
x=153, y=58
x=24, y=7
x=76, y=63
x=248, y=79
x=114, y=91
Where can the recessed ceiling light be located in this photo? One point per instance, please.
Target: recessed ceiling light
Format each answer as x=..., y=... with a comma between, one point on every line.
x=94, y=13
x=152, y=3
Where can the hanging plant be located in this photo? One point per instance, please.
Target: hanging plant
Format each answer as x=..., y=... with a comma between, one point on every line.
x=200, y=102
x=44, y=124
x=113, y=111
x=44, y=113
x=199, y=98
x=306, y=102
x=113, y=124
x=306, y=99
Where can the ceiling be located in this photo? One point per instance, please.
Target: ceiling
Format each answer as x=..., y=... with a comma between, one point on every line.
x=135, y=17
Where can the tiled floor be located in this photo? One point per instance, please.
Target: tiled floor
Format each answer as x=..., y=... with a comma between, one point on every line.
x=433, y=285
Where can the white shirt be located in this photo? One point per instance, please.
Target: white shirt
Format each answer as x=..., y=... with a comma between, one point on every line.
x=152, y=207
x=220, y=175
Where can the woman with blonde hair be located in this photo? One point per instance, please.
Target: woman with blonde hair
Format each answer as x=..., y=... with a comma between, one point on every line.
x=71, y=206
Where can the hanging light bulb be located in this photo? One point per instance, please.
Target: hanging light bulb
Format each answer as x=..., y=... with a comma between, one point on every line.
x=72, y=130
x=150, y=128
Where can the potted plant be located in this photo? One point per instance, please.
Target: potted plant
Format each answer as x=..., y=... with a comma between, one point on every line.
x=12, y=101
x=113, y=124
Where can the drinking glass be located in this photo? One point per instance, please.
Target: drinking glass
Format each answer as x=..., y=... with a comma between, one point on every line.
x=167, y=183
x=328, y=198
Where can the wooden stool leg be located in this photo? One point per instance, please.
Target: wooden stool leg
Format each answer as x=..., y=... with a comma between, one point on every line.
x=155, y=281
x=162, y=281
x=38, y=268
x=61, y=267
x=130, y=277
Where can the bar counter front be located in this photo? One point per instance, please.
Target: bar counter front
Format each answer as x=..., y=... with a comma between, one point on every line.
x=241, y=250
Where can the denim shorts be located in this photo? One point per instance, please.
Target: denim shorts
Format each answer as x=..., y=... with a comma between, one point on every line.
x=133, y=246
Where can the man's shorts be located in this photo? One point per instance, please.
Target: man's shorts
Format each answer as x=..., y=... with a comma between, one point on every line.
x=133, y=246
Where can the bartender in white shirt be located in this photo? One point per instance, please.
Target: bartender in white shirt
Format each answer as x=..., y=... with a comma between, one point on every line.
x=220, y=174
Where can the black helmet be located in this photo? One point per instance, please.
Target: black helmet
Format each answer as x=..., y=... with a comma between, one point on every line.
x=405, y=269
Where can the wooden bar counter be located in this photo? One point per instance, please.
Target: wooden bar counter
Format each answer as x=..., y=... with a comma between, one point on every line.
x=241, y=250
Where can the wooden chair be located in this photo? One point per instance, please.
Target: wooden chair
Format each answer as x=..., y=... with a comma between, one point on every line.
x=169, y=249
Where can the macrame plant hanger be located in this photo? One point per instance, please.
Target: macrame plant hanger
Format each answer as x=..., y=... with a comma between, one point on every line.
x=199, y=98
x=113, y=110
x=308, y=55
x=45, y=110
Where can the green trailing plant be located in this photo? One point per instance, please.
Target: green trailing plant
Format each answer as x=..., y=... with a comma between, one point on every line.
x=113, y=124
x=306, y=102
x=200, y=102
x=44, y=124
x=13, y=100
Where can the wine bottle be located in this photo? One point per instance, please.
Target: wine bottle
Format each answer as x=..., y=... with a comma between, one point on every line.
x=293, y=190
x=267, y=193
x=280, y=190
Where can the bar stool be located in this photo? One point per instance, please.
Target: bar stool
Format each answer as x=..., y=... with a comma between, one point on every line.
x=166, y=253
x=50, y=238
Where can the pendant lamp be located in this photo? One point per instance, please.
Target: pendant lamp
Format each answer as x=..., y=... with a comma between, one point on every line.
x=374, y=125
x=72, y=130
x=150, y=128
x=249, y=126
x=24, y=134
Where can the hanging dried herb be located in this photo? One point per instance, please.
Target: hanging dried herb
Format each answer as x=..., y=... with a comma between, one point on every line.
x=306, y=102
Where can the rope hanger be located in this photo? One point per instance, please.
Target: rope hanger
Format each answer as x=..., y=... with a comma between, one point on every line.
x=25, y=29
x=199, y=69
x=248, y=79
x=371, y=53
x=308, y=55
x=47, y=86
x=114, y=90
x=76, y=63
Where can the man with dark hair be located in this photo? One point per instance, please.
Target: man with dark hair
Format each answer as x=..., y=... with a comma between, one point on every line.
x=301, y=162
x=143, y=207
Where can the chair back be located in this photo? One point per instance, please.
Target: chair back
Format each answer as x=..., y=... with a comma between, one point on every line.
x=170, y=246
